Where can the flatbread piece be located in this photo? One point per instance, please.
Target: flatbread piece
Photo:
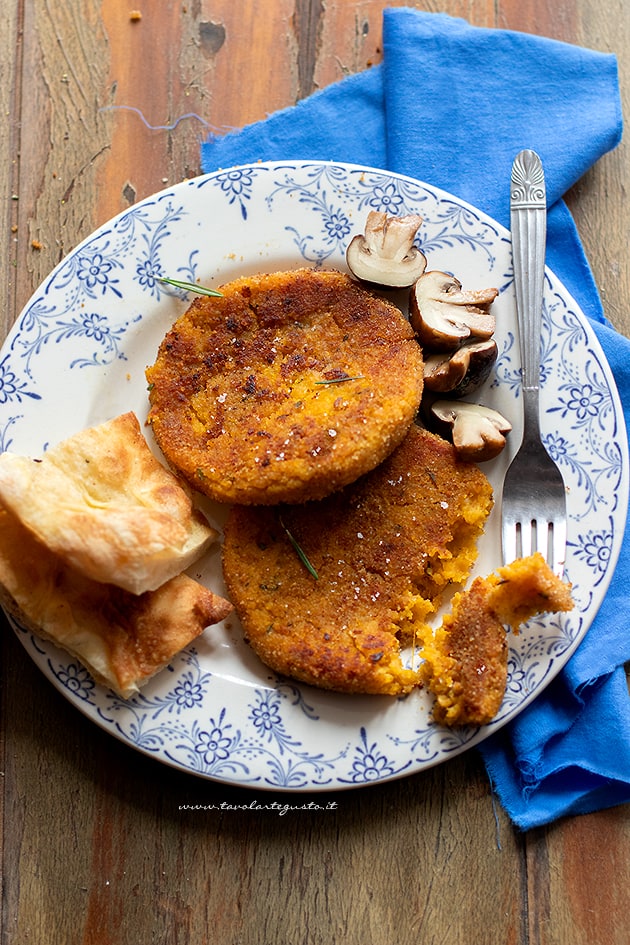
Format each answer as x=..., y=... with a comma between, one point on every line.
x=123, y=639
x=105, y=504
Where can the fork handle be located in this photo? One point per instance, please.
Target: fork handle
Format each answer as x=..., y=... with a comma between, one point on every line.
x=528, y=221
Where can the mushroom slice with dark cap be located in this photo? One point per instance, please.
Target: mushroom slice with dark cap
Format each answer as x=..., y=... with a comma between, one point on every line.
x=477, y=432
x=385, y=254
x=462, y=371
x=443, y=315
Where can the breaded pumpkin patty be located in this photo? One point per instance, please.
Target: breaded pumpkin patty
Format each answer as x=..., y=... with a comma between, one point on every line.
x=285, y=389
x=383, y=550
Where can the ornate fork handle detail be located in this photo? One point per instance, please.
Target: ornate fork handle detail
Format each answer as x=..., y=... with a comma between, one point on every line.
x=528, y=181
x=528, y=212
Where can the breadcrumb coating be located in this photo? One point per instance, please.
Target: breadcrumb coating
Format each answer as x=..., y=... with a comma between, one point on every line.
x=288, y=387
x=384, y=550
x=466, y=659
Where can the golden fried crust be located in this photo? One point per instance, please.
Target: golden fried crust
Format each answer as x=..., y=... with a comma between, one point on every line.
x=123, y=639
x=384, y=549
x=527, y=587
x=290, y=386
x=466, y=660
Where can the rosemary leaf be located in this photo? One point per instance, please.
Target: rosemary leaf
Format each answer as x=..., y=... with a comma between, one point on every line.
x=191, y=287
x=300, y=552
x=341, y=380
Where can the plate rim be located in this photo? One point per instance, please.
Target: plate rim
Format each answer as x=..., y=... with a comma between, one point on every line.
x=593, y=341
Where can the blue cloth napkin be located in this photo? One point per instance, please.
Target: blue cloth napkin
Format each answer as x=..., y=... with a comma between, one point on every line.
x=452, y=104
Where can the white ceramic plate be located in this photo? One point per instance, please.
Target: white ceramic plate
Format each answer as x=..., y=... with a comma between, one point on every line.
x=77, y=355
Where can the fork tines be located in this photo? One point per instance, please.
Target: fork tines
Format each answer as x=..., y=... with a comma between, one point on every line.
x=523, y=538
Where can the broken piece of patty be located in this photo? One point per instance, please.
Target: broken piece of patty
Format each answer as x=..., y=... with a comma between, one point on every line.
x=287, y=388
x=465, y=659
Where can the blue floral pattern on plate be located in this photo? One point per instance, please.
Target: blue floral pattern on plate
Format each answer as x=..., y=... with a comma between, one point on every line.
x=77, y=355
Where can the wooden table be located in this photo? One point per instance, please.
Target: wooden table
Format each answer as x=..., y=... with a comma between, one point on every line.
x=95, y=848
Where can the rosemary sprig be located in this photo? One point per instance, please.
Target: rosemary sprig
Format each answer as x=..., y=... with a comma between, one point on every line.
x=341, y=380
x=191, y=287
x=299, y=551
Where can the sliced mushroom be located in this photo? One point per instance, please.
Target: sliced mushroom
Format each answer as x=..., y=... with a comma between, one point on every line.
x=443, y=315
x=477, y=432
x=385, y=254
x=461, y=372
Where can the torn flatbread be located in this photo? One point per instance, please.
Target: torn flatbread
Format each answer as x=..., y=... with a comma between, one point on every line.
x=122, y=639
x=105, y=504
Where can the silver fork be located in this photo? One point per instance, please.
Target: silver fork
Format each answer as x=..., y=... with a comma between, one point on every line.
x=534, y=496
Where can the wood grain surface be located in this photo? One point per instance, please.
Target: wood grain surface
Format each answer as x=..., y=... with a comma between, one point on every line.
x=96, y=848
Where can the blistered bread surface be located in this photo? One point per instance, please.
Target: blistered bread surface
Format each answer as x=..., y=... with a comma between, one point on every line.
x=107, y=506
